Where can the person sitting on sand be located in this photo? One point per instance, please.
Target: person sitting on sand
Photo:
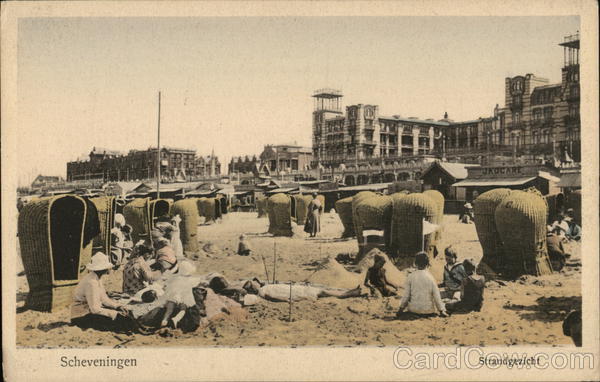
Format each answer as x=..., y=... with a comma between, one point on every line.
x=572, y=327
x=128, y=241
x=181, y=306
x=556, y=250
x=454, y=273
x=92, y=308
x=244, y=247
x=165, y=256
x=574, y=231
x=421, y=295
x=467, y=215
x=376, y=280
x=560, y=226
x=137, y=273
x=471, y=291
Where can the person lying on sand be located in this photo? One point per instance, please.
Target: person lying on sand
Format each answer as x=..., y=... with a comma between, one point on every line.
x=376, y=280
x=237, y=291
x=421, y=295
x=454, y=273
x=471, y=291
x=281, y=292
x=92, y=308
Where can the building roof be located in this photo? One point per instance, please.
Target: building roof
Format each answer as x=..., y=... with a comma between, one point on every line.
x=51, y=178
x=415, y=120
x=125, y=186
x=494, y=182
x=456, y=170
x=104, y=151
x=464, y=122
x=280, y=190
x=570, y=180
x=366, y=187
x=200, y=193
x=547, y=87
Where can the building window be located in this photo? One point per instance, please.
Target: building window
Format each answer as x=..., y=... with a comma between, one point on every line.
x=516, y=118
x=547, y=113
x=573, y=110
x=537, y=114
x=575, y=91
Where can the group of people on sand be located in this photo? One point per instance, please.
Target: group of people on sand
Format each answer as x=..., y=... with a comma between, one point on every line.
x=461, y=289
x=143, y=264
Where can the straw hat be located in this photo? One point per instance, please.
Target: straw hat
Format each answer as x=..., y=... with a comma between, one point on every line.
x=99, y=262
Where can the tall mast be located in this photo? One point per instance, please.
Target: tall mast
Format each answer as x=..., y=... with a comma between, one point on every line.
x=158, y=153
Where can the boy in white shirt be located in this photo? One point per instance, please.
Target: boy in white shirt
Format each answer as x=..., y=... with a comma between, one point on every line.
x=421, y=294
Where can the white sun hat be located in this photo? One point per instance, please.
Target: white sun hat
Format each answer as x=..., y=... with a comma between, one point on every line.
x=119, y=219
x=100, y=262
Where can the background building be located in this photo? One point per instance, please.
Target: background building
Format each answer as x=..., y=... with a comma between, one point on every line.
x=176, y=164
x=42, y=182
x=540, y=121
x=275, y=160
x=539, y=124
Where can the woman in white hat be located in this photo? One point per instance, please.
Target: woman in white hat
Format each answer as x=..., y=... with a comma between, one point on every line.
x=92, y=308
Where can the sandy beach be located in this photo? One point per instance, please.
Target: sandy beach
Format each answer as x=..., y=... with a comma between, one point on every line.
x=529, y=310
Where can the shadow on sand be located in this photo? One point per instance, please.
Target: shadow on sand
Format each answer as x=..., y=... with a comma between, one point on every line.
x=548, y=309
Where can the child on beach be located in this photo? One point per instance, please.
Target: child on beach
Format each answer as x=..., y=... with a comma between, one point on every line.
x=471, y=292
x=421, y=295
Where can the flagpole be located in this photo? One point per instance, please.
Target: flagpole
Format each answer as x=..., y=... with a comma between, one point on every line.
x=423, y=235
x=158, y=153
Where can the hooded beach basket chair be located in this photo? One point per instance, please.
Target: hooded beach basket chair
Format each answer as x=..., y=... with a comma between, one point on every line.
x=302, y=202
x=51, y=237
x=372, y=212
x=106, y=207
x=521, y=221
x=408, y=213
x=343, y=207
x=484, y=208
x=279, y=210
x=187, y=209
x=137, y=215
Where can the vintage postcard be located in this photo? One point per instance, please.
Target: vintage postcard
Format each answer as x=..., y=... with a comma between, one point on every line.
x=300, y=190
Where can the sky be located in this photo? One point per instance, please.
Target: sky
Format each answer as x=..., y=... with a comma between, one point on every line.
x=234, y=84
